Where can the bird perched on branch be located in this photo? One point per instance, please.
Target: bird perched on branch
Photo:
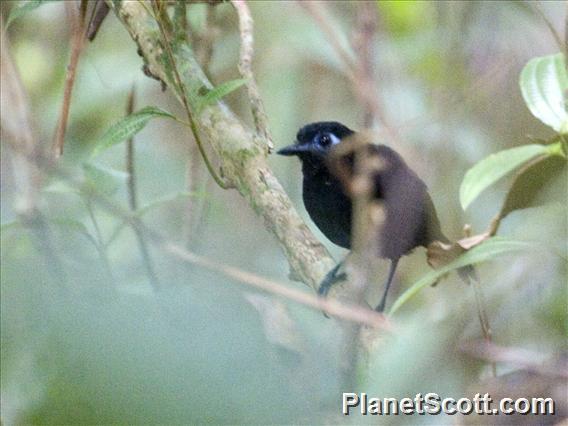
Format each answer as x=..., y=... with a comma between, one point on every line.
x=410, y=218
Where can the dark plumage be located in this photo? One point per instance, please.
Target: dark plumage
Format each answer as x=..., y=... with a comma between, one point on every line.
x=410, y=216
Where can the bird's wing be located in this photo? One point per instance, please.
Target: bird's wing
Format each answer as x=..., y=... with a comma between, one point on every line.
x=411, y=218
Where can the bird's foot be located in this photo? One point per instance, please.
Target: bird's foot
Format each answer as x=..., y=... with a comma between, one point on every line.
x=381, y=307
x=330, y=279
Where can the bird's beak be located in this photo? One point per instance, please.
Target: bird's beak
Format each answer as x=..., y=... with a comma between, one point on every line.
x=293, y=150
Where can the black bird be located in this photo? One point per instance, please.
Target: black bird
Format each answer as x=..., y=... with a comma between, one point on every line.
x=410, y=216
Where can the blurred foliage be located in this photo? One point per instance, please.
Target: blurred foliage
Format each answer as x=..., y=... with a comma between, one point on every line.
x=85, y=339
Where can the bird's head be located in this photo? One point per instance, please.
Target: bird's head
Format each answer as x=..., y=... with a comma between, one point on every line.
x=314, y=141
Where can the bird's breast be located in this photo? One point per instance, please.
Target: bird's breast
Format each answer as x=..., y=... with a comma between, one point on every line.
x=329, y=208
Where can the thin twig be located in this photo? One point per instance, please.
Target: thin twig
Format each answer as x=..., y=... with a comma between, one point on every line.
x=100, y=12
x=315, y=11
x=363, y=45
x=77, y=43
x=245, y=68
x=241, y=155
x=555, y=34
x=203, y=46
x=364, y=249
x=347, y=312
x=160, y=18
x=133, y=203
x=342, y=311
x=25, y=154
x=518, y=357
x=483, y=319
x=131, y=179
x=206, y=40
x=147, y=259
x=43, y=237
x=365, y=91
x=101, y=248
x=194, y=207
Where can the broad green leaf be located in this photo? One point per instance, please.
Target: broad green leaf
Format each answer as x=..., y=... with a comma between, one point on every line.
x=218, y=92
x=105, y=180
x=485, y=251
x=491, y=169
x=544, y=82
x=23, y=8
x=128, y=127
x=528, y=186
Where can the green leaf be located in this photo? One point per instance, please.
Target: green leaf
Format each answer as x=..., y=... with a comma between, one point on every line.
x=528, y=186
x=23, y=8
x=544, y=82
x=128, y=127
x=491, y=169
x=104, y=179
x=217, y=93
x=487, y=250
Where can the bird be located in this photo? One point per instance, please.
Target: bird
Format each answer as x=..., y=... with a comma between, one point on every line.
x=410, y=218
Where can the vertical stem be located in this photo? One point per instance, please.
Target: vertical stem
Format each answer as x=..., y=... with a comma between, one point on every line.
x=100, y=11
x=245, y=69
x=163, y=21
x=77, y=42
x=483, y=319
x=101, y=248
x=194, y=206
x=147, y=260
x=44, y=241
x=133, y=202
x=363, y=44
x=131, y=179
x=25, y=153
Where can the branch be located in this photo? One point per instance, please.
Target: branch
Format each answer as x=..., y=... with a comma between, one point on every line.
x=363, y=45
x=242, y=155
x=77, y=20
x=133, y=202
x=245, y=68
x=24, y=152
x=364, y=86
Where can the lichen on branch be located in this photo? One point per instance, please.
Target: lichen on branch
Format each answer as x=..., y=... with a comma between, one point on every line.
x=242, y=154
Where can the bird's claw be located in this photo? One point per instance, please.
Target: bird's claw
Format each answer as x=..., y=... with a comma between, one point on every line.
x=329, y=280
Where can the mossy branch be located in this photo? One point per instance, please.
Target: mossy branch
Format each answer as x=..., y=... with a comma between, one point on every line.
x=242, y=155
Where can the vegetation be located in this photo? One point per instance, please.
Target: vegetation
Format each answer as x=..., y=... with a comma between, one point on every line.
x=157, y=263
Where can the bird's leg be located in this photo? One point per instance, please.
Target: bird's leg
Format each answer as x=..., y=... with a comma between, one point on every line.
x=381, y=306
x=331, y=278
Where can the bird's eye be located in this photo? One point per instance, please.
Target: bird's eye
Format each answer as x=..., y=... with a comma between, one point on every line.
x=325, y=140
